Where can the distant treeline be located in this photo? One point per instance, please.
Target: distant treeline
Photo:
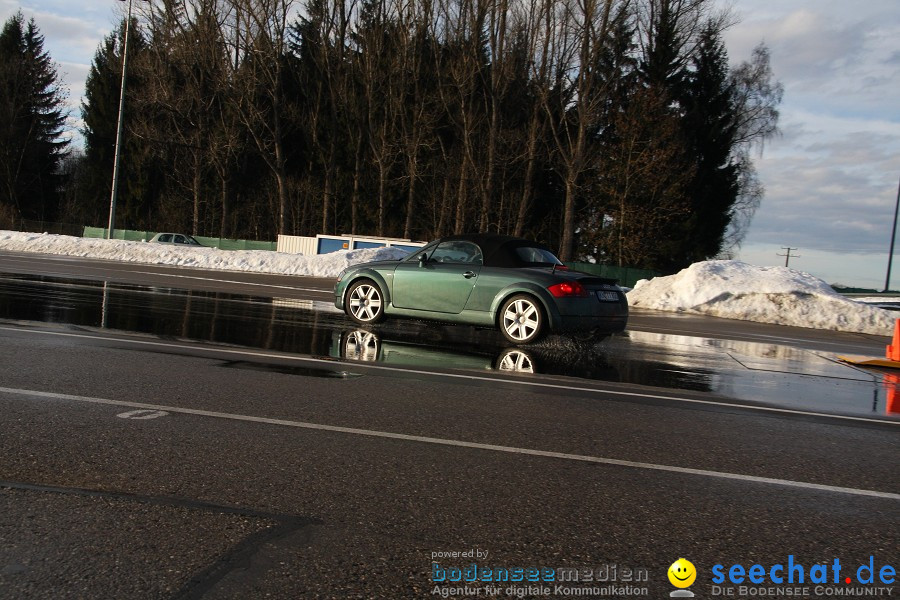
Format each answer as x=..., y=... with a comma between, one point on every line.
x=612, y=130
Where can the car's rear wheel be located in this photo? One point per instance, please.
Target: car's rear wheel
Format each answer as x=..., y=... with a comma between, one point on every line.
x=365, y=303
x=521, y=319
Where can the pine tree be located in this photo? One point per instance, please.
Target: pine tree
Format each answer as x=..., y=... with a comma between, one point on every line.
x=663, y=65
x=32, y=121
x=709, y=125
x=100, y=113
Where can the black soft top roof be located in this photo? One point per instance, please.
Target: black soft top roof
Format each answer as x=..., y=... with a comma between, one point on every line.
x=499, y=250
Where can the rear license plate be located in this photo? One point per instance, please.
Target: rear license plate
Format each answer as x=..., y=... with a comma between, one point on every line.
x=607, y=296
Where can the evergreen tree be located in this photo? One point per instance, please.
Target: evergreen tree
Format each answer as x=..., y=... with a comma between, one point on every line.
x=32, y=120
x=100, y=112
x=709, y=124
x=618, y=70
x=663, y=65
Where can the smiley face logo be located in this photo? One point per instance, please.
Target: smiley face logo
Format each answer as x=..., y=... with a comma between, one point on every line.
x=682, y=573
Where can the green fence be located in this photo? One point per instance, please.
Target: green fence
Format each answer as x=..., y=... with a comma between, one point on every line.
x=626, y=276
x=118, y=234
x=143, y=236
x=226, y=244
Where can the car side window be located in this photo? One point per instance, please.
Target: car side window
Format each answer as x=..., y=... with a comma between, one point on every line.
x=165, y=238
x=457, y=252
x=414, y=257
x=179, y=239
x=532, y=255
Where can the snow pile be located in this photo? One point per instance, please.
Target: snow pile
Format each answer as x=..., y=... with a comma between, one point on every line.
x=736, y=290
x=263, y=261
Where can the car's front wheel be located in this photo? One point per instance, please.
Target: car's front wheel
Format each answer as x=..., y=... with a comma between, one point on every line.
x=521, y=319
x=515, y=360
x=365, y=303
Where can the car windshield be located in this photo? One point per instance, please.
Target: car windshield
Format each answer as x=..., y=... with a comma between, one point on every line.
x=536, y=256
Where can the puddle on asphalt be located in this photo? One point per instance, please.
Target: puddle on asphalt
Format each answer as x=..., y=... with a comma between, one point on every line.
x=762, y=373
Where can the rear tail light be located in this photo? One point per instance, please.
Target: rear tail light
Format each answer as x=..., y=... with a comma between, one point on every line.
x=568, y=289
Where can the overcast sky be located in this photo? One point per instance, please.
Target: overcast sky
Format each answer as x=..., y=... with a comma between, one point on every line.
x=831, y=178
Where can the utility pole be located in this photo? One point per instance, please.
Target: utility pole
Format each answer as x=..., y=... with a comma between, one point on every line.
x=788, y=255
x=887, y=279
x=118, y=150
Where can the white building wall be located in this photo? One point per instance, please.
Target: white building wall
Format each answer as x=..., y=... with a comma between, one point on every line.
x=296, y=244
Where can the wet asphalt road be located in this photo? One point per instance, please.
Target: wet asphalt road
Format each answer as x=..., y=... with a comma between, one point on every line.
x=139, y=463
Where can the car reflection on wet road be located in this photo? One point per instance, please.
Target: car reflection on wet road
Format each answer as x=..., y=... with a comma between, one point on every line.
x=769, y=374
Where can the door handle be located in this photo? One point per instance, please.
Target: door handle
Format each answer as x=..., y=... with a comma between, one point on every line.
x=469, y=274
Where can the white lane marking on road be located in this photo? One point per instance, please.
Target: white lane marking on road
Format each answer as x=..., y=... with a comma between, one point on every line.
x=457, y=443
x=142, y=414
x=550, y=386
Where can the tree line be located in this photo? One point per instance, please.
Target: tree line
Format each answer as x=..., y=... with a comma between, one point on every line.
x=612, y=130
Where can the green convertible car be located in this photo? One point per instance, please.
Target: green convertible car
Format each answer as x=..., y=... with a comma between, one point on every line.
x=485, y=280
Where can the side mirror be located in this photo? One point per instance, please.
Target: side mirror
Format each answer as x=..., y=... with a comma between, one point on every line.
x=423, y=258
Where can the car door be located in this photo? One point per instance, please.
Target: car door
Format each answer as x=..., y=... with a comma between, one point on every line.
x=442, y=283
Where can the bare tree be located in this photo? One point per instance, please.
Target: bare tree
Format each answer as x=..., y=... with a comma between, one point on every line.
x=418, y=118
x=577, y=29
x=756, y=97
x=539, y=49
x=181, y=71
x=644, y=175
x=380, y=58
x=260, y=101
x=323, y=46
x=459, y=26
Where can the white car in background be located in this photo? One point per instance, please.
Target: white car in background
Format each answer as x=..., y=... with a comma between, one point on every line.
x=177, y=239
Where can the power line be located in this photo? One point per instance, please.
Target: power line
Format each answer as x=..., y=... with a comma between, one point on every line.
x=788, y=256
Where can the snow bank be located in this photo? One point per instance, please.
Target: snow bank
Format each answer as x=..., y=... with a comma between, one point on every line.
x=736, y=290
x=263, y=261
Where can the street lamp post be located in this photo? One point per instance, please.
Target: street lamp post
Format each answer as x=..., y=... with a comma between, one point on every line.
x=118, y=150
x=887, y=280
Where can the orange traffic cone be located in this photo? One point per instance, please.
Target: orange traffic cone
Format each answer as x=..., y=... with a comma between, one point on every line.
x=893, y=351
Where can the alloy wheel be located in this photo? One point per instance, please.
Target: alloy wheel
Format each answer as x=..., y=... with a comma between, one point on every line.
x=364, y=303
x=521, y=320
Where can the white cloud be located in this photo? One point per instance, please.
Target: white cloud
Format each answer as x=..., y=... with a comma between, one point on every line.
x=73, y=38
x=72, y=33
x=831, y=178
x=827, y=57
x=837, y=194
